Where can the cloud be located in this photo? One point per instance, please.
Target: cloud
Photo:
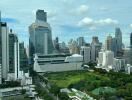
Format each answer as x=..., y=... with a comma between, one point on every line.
x=82, y=9
x=130, y=25
x=92, y=24
x=51, y=14
x=107, y=21
x=10, y=20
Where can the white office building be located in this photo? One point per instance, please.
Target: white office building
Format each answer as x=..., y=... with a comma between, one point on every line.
x=105, y=59
x=119, y=64
x=86, y=53
x=5, y=49
x=128, y=69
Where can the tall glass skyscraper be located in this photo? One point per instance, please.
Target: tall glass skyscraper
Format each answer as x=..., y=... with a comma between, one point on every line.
x=118, y=36
x=12, y=39
x=40, y=40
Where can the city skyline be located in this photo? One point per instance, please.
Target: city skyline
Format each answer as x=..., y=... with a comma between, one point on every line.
x=89, y=18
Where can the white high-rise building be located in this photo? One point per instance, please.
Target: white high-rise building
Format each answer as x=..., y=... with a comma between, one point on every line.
x=119, y=64
x=100, y=58
x=4, y=49
x=105, y=59
x=86, y=53
x=128, y=69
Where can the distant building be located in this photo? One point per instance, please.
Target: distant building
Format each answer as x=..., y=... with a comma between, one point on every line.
x=56, y=44
x=105, y=59
x=23, y=58
x=127, y=55
x=12, y=39
x=80, y=41
x=118, y=36
x=17, y=60
x=119, y=64
x=95, y=40
x=4, y=49
x=111, y=44
x=57, y=62
x=128, y=69
x=0, y=75
x=95, y=48
x=86, y=53
x=73, y=47
x=40, y=36
x=131, y=39
x=63, y=48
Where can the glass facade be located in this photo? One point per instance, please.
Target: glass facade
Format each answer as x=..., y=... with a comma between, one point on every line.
x=40, y=39
x=12, y=39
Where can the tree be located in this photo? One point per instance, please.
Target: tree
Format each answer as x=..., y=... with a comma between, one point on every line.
x=63, y=96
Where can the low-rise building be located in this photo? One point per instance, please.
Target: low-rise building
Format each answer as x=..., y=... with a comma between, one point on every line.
x=128, y=69
x=57, y=62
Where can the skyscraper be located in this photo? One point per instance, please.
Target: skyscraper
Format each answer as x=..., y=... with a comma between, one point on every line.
x=106, y=58
x=131, y=39
x=86, y=53
x=40, y=40
x=95, y=48
x=41, y=16
x=12, y=39
x=73, y=47
x=118, y=36
x=80, y=41
x=4, y=49
x=111, y=44
x=0, y=75
x=17, y=59
x=23, y=57
x=108, y=43
x=95, y=40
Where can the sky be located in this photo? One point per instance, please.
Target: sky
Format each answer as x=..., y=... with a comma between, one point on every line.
x=71, y=18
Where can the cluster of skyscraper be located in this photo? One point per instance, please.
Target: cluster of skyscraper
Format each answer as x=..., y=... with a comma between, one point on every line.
x=112, y=52
x=114, y=43
x=12, y=53
x=13, y=56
